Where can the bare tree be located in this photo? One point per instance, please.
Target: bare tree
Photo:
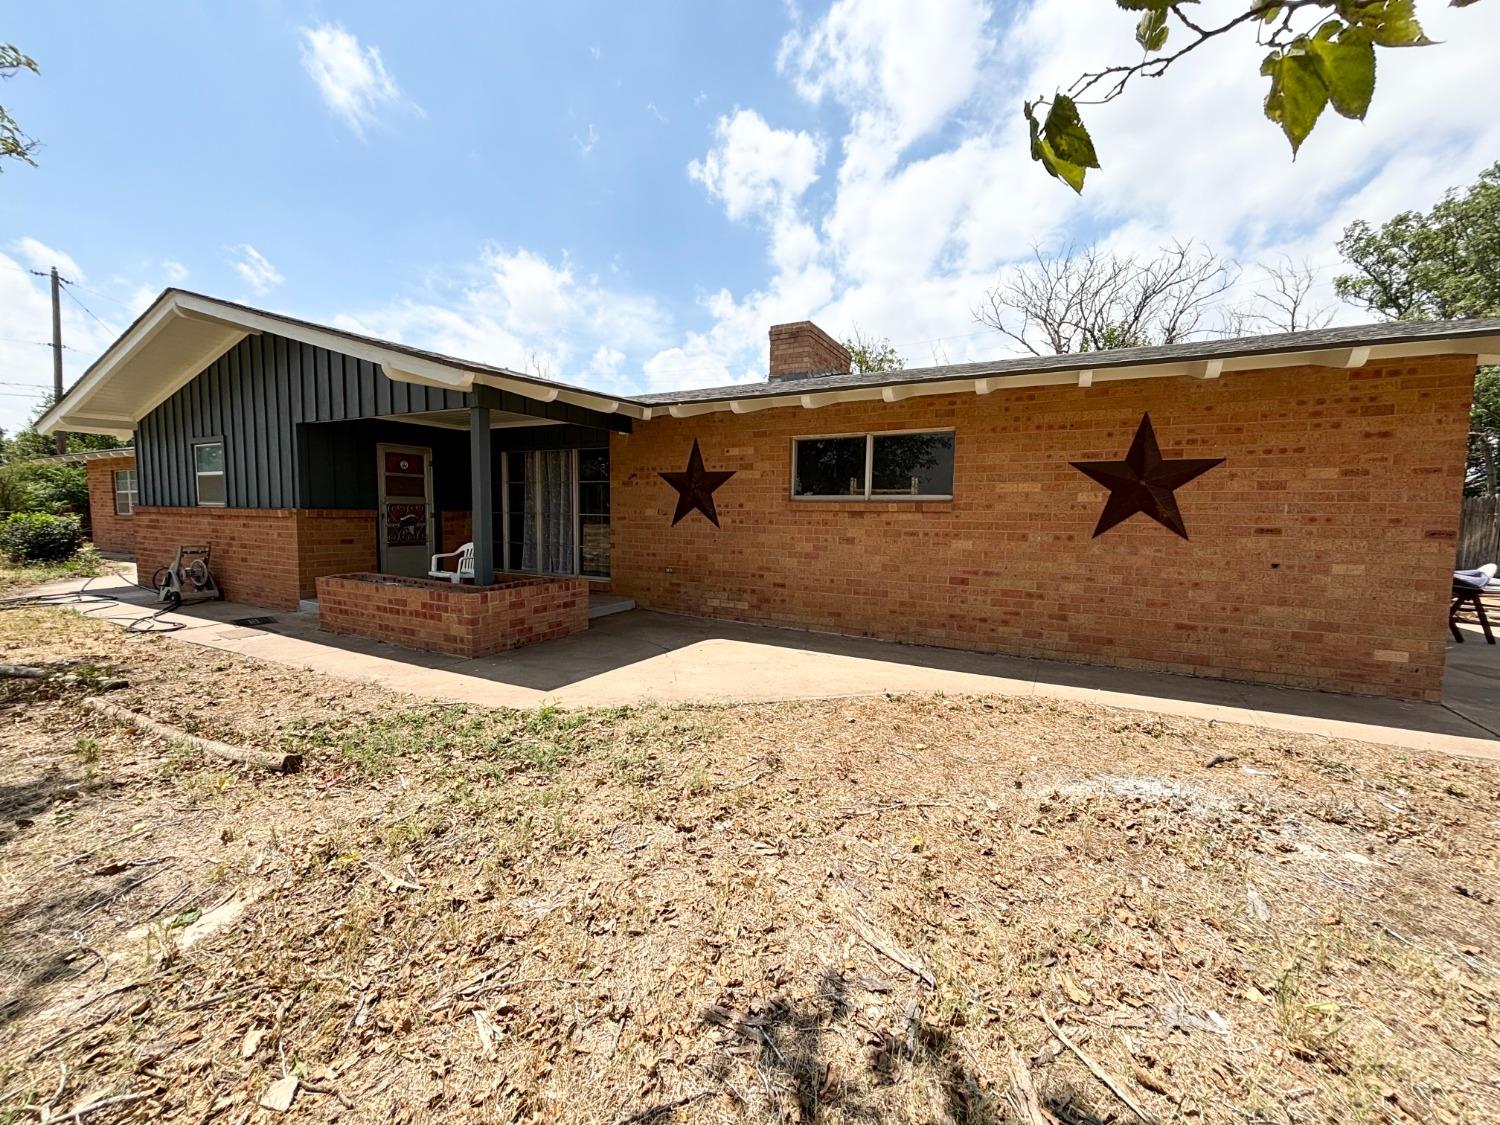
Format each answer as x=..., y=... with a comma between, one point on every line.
x=1087, y=299
x=1285, y=301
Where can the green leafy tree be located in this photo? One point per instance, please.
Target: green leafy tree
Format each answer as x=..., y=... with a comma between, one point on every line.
x=26, y=444
x=1320, y=53
x=14, y=143
x=870, y=356
x=1440, y=264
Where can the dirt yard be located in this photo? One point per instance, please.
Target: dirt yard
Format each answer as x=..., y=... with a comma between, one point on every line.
x=882, y=910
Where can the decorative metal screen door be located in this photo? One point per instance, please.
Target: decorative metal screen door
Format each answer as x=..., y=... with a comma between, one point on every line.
x=405, y=532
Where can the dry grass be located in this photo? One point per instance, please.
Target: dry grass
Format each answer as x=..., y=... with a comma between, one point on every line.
x=833, y=912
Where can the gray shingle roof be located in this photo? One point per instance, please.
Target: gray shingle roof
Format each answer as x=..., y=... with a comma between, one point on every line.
x=1322, y=339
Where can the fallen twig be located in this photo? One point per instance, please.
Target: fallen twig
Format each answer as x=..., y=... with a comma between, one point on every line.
x=656, y=1111
x=394, y=882
x=23, y=672
x=1022, y=1092
x=87, y=1108
x=263, y=759
x=889, y=950
x=1110, y=1082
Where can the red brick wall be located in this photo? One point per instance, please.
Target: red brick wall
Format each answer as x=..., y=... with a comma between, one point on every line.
x=457, y=529
x=254, y=550
x=459, y=620
x=261, y=556
x=1320, y=551
x=110, y=531
x=333, y=541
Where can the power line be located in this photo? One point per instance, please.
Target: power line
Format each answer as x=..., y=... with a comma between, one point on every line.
x=68, y=289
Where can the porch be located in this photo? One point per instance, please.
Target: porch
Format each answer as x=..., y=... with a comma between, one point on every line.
x=529, y=489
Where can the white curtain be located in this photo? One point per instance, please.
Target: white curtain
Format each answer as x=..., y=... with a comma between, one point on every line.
x=547, y=543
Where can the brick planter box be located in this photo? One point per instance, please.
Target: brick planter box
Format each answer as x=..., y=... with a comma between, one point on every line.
x=455, y=619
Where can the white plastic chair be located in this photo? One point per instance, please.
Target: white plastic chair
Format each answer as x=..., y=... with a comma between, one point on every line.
x=465, y=569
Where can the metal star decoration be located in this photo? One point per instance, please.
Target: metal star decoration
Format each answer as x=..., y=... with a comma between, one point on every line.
x=695, y=487
x=1144, y=482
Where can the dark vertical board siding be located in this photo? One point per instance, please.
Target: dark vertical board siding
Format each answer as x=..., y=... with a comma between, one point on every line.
x=296, y=355
x=382, y=394
x=284, y=411
x=264, y=398
x=274, y=433
x=255, y=394
x=336, y=386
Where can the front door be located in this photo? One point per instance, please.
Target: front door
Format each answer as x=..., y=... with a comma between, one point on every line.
x=406, y=531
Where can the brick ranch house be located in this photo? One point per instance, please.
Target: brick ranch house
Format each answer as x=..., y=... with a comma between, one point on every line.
x=1296, y=527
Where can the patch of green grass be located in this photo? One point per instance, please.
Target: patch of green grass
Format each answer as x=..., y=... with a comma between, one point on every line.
x=14, y=576
x=502, y=743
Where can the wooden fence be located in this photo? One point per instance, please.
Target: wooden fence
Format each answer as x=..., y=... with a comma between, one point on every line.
x=1479, y=533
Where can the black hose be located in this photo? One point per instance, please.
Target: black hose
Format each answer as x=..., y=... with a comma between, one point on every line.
x=149, y=624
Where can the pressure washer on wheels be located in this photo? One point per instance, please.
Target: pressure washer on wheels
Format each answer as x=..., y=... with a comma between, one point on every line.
x=188, y=579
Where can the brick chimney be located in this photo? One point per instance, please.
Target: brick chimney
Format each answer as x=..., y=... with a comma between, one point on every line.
x=802, y=349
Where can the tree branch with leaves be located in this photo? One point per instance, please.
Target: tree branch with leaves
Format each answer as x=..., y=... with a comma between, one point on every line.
x=1319, y=53
x=14, y=142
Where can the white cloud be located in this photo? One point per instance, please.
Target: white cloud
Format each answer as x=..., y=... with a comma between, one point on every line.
x=256, y=271
x=26, y=329
x=352, y=78
x=176, y=273
x=587, y=142
x=936, y=196
x=753, y=167
x=516, y=309
x=39, y=256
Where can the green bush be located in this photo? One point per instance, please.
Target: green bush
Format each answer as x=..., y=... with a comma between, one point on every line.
x=30, y=487
x=36, y=537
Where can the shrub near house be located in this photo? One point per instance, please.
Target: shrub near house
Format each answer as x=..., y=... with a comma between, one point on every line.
x=37, y=537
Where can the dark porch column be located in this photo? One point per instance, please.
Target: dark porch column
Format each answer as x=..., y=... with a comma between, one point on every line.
x=480, y=489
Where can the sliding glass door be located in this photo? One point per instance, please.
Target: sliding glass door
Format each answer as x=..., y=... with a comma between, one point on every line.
x=555, y=512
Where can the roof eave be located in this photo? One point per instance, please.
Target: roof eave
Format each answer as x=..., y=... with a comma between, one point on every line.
x=1484, y=344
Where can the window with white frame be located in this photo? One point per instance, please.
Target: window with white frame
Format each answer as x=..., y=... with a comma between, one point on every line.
x=875, y=466
x=125, y=495
x=208, y=472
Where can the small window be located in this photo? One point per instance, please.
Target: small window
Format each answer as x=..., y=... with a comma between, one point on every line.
x=885, y=466
x=125, y=494
x=208, y=469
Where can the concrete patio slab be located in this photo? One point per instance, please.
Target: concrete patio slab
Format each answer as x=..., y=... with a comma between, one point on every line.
x=638, y=656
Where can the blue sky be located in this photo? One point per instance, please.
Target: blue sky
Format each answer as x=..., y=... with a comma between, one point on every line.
x=629, y=195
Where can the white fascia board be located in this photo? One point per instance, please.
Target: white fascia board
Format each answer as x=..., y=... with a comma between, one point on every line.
x=693, y=409
x=116, y=354
x=410, y=370
x=113, y=427
x=759, y=403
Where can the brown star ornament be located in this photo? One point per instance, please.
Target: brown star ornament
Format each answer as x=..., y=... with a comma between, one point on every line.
x=1144, y=482
x=695, y=487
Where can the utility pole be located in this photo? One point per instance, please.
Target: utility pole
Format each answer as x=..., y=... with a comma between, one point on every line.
x=57, y=374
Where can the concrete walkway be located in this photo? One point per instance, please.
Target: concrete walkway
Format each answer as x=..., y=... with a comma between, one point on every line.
x=637, y=656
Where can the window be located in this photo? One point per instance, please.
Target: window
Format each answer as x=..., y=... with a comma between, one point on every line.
x=593, y=512
x=208, y=469
x=886, y=466
x=125, y=495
